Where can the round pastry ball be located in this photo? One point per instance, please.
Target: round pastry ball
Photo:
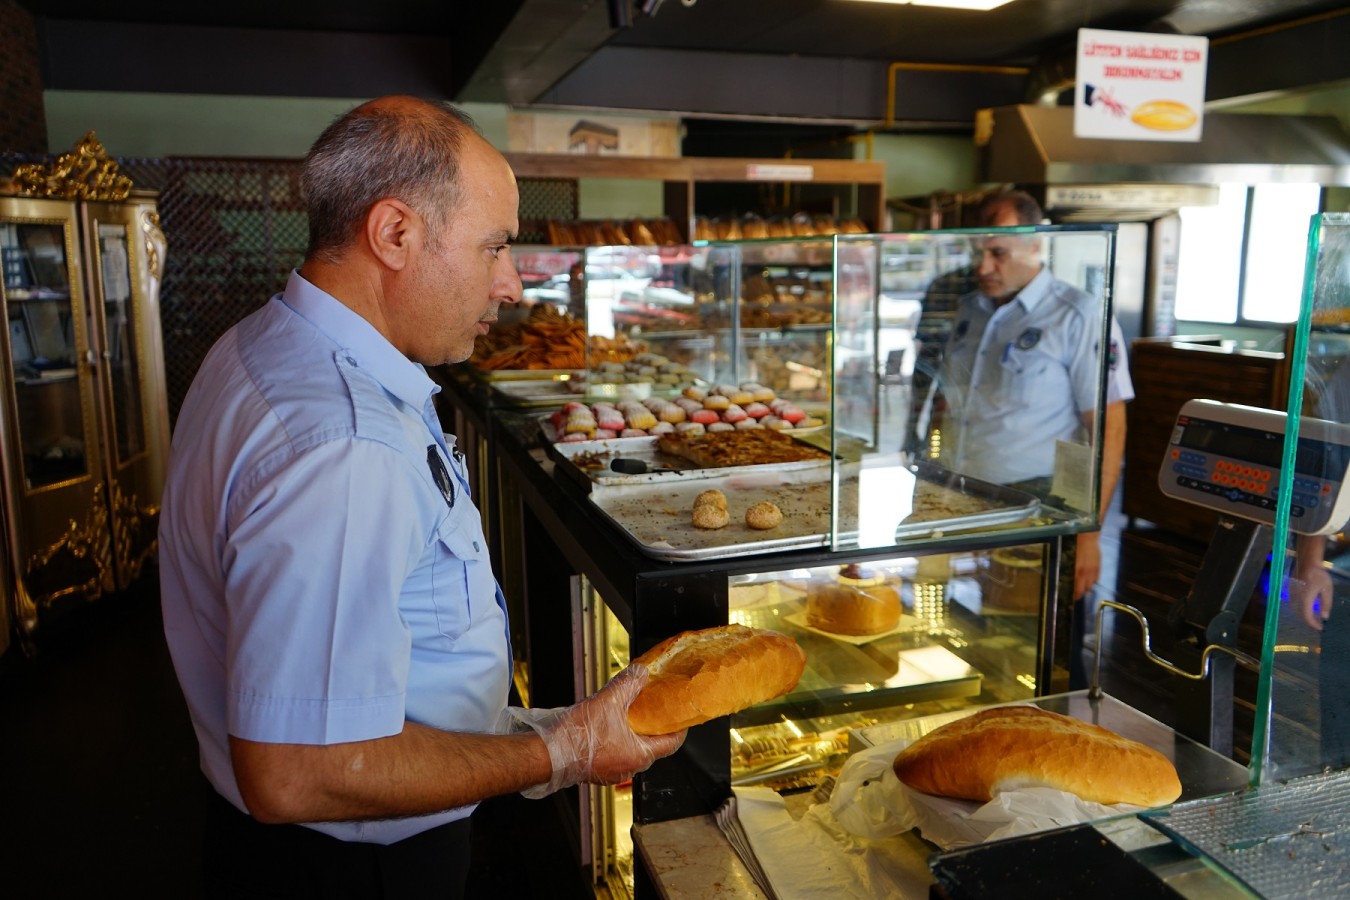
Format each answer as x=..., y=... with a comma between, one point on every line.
x=710, y=516
x=763, y=516
x=713, y=497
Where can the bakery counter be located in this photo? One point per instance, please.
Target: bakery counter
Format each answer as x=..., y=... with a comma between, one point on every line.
x=691, y=859
x=790, y=840
x=585, y=597
x=941, y=654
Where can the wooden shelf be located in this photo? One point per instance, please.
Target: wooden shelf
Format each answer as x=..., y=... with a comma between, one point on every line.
x=681, y=174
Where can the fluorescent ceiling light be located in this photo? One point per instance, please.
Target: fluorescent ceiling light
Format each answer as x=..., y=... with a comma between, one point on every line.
x=981, y=5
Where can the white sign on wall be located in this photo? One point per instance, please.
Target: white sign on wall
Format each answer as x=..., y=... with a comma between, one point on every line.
x=1140, y=87
x=590, y=135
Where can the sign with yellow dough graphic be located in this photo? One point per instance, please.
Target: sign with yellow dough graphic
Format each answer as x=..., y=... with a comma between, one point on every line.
x=1135, y=86
x=1164, y=115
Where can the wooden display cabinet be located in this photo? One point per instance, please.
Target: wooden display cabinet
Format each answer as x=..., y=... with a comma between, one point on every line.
x=85, y=421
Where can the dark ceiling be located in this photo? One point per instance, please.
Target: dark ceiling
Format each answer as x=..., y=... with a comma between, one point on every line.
x=826, y=60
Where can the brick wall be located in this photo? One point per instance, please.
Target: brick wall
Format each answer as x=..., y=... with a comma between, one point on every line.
x=23, y=121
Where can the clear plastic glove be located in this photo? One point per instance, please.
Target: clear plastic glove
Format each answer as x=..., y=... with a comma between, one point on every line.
x=592, y=742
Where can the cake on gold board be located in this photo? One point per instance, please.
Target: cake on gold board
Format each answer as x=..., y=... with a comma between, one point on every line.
x=857, y=601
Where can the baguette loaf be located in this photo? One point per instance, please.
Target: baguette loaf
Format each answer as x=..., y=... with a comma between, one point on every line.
x=1015, y=747
x=696, y=676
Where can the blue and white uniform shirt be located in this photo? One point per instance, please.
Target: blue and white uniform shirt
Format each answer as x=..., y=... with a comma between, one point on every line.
x=1019, y=377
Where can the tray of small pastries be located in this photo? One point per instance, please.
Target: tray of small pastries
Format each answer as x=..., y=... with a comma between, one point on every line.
x=677, y=457
x=760, y=508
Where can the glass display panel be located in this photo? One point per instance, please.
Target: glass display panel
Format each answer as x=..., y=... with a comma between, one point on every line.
x=1303, y=721
x=931, y=634
x=550, y=276
x=786, y=292
x=43, y=352
x=1004, y=429
x=123, y=356
x=544, y=335
x=653, y=319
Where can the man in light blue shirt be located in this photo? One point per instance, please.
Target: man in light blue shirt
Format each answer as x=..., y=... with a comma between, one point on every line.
x=328, y=599
x=1020, y=371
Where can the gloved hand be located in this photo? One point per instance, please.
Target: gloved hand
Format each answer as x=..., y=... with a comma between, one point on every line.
x=592, y=742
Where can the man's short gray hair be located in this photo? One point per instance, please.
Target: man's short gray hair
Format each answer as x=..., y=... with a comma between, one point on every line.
x=373, y=153
x=1023, y=205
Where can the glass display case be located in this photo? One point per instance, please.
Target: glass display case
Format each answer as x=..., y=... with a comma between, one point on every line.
x=85, y=422
x=656, y=303
x=784, y=312
x=966, y=563
x=1303, y=722
x=724, y=312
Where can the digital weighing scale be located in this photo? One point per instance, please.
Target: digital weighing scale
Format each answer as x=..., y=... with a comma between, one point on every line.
x=1228, y=457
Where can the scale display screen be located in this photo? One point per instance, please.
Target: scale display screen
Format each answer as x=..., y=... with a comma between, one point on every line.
x=1227, y=457
x=1265, y=448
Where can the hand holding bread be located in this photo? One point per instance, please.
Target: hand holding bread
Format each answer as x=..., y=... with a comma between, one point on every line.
x=592, y=742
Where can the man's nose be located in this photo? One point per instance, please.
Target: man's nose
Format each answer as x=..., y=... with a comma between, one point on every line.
x=510, y=288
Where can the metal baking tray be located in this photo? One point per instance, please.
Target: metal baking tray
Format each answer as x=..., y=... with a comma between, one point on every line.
x=1002, y=504
x=657, y=516
x=662, y=467
x=497, y=375
x=537, y=391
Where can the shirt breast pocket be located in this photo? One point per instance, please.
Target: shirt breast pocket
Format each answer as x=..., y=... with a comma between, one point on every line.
x=1032, y=377
x=461, y=578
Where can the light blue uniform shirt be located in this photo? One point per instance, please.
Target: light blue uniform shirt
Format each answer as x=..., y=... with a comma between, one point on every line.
x=1020, y=376
x=318, y=586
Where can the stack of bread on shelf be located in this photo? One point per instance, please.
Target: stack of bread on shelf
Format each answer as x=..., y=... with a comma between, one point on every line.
x=756, y=227
x=591, y=233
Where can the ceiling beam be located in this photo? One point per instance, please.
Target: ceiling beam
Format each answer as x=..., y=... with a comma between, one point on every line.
x=743, y=85
x=543, y=41
x=83, y=55
x=1295, y=56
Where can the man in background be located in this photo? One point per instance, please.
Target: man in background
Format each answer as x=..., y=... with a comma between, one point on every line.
x=941, y=297
x=1019, y=374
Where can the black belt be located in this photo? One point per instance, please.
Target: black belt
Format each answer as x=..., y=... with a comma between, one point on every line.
x=243, y=858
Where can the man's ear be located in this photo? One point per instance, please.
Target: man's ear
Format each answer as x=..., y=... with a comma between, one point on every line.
x=392, y=231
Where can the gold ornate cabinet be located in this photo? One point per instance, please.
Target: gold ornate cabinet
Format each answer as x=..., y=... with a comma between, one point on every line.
x=85, y=420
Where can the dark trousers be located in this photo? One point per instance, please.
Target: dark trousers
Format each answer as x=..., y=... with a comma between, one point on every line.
x=244, y=858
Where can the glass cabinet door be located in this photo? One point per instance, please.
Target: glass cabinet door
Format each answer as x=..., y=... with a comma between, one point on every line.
x=55, y=500
x=121, y=352
x=123, y=258
x=53, y=425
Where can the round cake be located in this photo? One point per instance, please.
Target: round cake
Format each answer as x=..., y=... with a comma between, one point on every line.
x=857, y=601
x=1012, y=581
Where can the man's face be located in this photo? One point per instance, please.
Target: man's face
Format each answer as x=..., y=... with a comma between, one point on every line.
x=1007, y=263
x=456, y=284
